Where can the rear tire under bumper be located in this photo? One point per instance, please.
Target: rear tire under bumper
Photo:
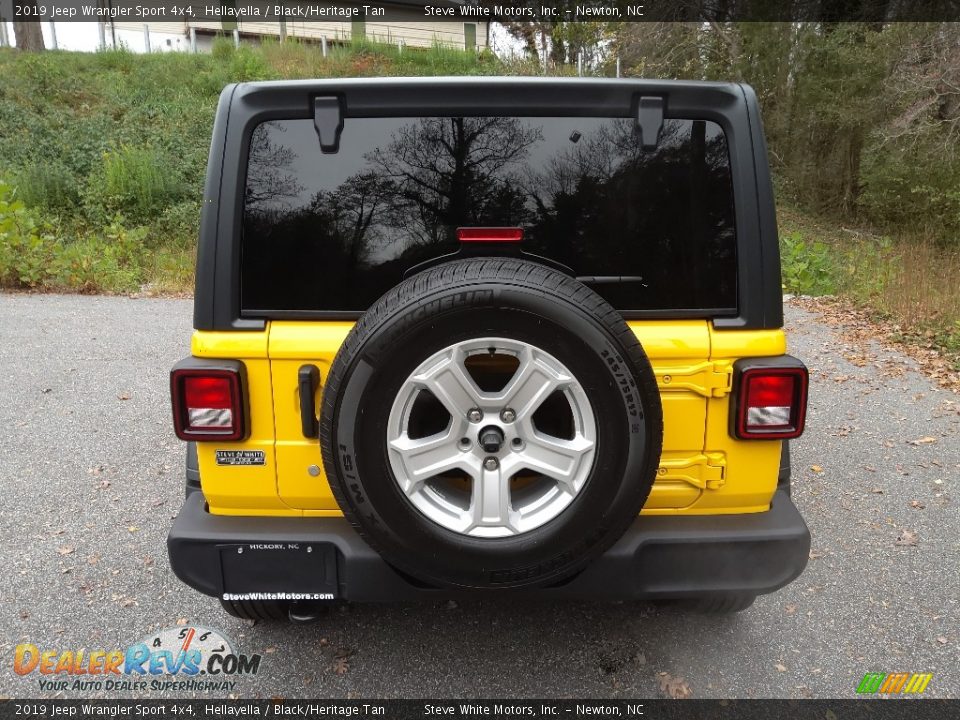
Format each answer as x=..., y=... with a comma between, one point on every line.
x=659, y=557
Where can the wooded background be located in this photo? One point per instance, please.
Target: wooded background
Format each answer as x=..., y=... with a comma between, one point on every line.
x=862, y=118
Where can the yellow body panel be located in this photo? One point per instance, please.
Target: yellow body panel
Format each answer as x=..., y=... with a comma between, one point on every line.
x=247, y=489
x=703, y=470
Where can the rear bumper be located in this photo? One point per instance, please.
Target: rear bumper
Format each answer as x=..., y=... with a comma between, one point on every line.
x=658, y=557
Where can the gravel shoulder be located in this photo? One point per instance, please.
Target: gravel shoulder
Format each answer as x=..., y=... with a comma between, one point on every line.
x=92, y=475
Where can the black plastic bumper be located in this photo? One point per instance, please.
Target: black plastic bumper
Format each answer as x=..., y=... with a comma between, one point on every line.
x=658, y=557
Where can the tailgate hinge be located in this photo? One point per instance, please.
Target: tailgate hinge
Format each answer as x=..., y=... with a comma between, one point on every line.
x=709, y=378
x=706, y=471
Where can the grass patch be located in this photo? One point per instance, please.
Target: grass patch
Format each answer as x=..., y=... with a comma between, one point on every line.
x=912, y=282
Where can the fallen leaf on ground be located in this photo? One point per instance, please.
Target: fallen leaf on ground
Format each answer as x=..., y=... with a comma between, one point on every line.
x=942, y=640
x=66, y=550
x=341, y=665
x=814, y=554
x=907, y=537
x=790, y=608
x=780, y=667
x=917, y=504
x=816, y=468
x=922, y=441
x=675, y=688
x=182, y=621
x=123, y=396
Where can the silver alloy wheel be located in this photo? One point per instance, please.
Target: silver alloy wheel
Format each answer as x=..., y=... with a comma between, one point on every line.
x=491, y=503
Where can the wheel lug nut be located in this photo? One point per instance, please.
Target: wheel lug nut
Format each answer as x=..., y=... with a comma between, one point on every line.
x=491, y=463
x=508, y=415
x=474, y=415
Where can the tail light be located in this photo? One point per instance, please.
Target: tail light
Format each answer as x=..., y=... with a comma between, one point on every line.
x=490, y=234
x=770, y=398
x=208, y=402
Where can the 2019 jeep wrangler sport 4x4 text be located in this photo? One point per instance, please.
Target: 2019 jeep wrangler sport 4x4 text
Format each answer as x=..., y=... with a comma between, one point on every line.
x=487, y=335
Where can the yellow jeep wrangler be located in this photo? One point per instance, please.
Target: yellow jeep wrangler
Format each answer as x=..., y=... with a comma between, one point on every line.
x=487, y=336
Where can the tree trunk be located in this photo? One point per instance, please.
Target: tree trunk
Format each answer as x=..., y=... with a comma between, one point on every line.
x=28, y=34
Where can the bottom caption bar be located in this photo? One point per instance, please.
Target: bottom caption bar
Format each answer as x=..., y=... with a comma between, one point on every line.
x=868, y=709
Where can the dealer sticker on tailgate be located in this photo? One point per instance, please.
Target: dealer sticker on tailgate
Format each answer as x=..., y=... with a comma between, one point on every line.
x=240, y=457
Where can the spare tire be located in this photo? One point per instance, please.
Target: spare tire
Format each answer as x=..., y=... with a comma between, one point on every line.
x=491, y=423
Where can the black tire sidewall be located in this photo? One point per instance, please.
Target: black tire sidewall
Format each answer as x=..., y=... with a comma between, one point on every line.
x=616, y=488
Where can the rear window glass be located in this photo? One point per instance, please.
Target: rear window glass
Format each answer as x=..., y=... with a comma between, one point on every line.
x=647, y=229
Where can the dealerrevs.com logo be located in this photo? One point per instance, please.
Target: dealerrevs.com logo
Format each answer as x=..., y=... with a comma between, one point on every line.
x=179, y=658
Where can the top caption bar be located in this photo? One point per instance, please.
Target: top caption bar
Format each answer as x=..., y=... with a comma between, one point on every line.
x=240, y=11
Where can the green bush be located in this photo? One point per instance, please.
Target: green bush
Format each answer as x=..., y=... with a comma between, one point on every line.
x=806, y=267
x=32, y=255
x=247, y=65
x=177, y=226
x=120, y=59
x=867, y=266
x=916, y=186
x=223, y=48
x=50, y=186
x=109, y=262
x=26, y=243
x=138, y=181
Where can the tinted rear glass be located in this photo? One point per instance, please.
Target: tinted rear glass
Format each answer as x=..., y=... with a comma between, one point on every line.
x=647, y=229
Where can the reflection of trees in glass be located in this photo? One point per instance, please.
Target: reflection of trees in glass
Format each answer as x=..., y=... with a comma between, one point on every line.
x=606, y=206
x=269, y=177
x=602, y=206
x=356, y=208
x=454, y=171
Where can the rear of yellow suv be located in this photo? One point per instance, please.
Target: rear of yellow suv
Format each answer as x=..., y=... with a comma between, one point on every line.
x=487, y=335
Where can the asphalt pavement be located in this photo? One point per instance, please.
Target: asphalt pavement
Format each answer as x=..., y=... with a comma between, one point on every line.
x=92, y=474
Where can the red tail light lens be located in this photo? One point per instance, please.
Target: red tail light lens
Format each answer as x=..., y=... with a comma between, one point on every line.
x=207, y=404
x=207, y=392
x=771, y=403
x=490, y=234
